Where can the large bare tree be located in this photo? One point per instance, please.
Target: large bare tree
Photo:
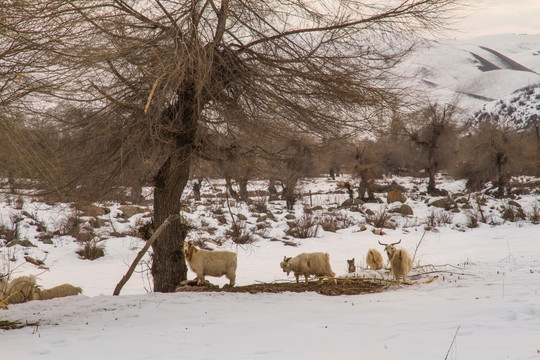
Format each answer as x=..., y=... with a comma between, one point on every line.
x=164, y=78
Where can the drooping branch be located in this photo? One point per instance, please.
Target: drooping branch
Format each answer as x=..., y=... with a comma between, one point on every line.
x=143, y=251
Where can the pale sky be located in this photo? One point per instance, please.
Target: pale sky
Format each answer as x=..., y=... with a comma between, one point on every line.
x=487, y=17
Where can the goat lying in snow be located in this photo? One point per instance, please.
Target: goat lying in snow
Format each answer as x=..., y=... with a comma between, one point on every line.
x=18, y=290
x=56, y=292
x=213, y=263
x=307, y=264
x=400, y=260
x=374, y=259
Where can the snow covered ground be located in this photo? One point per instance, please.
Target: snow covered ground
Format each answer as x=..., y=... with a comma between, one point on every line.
x=487, y=292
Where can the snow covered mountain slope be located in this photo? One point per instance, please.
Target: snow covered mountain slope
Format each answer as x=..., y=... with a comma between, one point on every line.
x=475, y=71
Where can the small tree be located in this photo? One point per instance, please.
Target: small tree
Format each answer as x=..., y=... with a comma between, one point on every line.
x=434, y=132
x=489, y=153
x=365, y=168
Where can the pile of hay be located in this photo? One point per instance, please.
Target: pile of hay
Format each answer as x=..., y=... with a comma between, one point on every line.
x=342, y=286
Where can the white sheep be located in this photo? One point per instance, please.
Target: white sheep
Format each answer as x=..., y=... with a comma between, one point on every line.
x=213, y=263
x=400, y=260
x=18, y=290
x=374, y=259
x=56, y=292
x=307, y=264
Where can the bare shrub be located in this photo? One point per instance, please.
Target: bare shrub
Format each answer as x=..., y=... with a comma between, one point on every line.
x=512, y=213
x=216, y=209
x=91, y=250
x=259, y=204
x=439, y=218
x=240, y=234
x=473, y=218
x=46, y=237
x=9, y=233
x=40, y=227
x=381, y=219
x=336, y=221
x=534, y=214
x=71, y=225
x=200, y=242
x=262, y=230
x=18, y=203
x=304, y=227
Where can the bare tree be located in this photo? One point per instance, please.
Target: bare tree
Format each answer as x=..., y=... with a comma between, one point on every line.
x=166, y=77
x=23, y=150
x=434, y=132
x=491, y=153
x=365, y=168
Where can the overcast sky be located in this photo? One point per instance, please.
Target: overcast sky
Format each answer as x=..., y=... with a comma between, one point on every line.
x=500, y=16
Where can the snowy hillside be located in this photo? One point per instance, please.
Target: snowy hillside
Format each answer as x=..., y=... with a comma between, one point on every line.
x=519, y=110
x=476, y=71
x=475, y=291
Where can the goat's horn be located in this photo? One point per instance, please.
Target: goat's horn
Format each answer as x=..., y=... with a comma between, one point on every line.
x=397, y=242
x=382, y=243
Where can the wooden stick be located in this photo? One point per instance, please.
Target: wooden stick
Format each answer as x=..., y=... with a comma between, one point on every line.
x=3, y=302
x=453, y=340
x=145, y=248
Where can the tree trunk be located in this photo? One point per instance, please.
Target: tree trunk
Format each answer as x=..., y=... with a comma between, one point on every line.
x=244, y=195
x=231, y=190
x=168, y=264
x=501, y=181
x=197, y=190
x=432, y=171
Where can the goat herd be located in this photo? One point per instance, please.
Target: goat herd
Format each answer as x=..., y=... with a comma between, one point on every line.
x=218, y=263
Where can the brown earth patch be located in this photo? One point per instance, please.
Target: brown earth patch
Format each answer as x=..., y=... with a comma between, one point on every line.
x=349, y=286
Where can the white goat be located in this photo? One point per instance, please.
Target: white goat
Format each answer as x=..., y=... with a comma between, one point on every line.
x=307, y=264
x=374, y=259
x=400, y=260
x=56, y=292
x=18, y=290
x=213, y=263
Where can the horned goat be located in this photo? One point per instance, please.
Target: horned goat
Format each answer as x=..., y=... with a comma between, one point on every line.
x=374, y=259
x=56, y=292
x=307, y=264
x=18, y=290
x=213, y=263
x=400, y=260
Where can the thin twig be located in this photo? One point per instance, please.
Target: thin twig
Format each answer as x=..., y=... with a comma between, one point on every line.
x=452, y=344
x=418, y=245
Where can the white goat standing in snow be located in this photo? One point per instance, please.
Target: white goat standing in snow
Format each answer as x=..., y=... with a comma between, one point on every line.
x=400, y=260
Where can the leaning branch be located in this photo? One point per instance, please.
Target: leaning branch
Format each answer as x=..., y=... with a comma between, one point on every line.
x=143, y=251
